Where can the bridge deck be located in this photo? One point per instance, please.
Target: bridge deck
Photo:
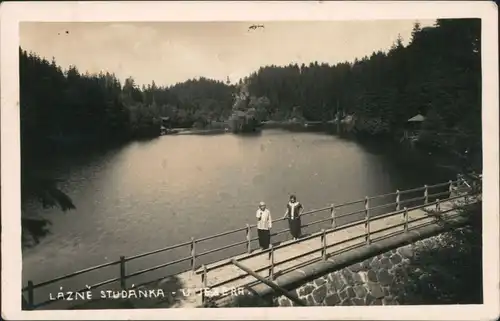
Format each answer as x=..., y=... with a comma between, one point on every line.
x=192, y=281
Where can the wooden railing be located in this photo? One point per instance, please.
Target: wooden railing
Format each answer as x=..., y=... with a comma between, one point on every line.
x=272, y=285
x=194, y=255
x=367, y=237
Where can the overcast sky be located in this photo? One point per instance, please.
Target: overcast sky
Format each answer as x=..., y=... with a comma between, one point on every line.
x=171, y=52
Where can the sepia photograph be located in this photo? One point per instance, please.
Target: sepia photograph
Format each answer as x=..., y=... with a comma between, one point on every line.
x=231, y=160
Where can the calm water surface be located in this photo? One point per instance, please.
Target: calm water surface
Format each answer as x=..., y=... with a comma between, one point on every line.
x=149, y=195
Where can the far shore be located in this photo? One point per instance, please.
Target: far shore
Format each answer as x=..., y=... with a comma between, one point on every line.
x=192, y=131
x=264, y=125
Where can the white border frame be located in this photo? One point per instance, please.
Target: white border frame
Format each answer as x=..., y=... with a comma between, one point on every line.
x=14, y=12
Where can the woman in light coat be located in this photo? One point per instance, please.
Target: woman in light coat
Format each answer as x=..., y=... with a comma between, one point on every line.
x=264, y=224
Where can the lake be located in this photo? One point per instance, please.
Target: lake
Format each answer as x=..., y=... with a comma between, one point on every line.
x=152, y=194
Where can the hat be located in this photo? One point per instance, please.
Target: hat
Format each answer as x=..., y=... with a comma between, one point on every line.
x=262, y=204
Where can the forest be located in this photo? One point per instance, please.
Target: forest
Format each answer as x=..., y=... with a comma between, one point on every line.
x=437, y=75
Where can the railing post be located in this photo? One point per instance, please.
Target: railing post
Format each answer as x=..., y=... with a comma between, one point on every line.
x=271, y=262
x=323, y=244
x=367, y=220
x=466, y=198
x=249, y=239
x=31, y=295
x=333, y=216
x=426, y=194
x=398, y=196
x=450, y=187
x=203, y=282
x=123, y=271
x=406, y=219
x=193, y=254
x=438, y=210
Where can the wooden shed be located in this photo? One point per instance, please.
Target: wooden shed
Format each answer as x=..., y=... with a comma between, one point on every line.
x=412, y=127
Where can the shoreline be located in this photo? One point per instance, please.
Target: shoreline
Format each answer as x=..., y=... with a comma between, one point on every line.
x=189, y=131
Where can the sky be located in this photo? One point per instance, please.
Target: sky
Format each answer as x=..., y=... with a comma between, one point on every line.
x=172, y=52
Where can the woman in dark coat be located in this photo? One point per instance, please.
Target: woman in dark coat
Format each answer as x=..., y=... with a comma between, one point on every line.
x=293, y=212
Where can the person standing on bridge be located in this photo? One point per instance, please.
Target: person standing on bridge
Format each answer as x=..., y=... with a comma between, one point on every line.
x=264, y=224
x=293, y=212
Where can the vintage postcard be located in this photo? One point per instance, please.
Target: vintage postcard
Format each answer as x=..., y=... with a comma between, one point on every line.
x=249, y=160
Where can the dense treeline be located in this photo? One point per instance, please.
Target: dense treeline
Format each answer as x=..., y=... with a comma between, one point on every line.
x=70, y=106
x=67, y=109
x=437, y=75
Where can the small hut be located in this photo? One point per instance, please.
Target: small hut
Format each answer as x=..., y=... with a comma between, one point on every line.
x=413, y=126
x=166, y=125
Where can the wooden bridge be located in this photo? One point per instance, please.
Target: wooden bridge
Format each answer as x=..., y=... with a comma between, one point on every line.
x=372, y=220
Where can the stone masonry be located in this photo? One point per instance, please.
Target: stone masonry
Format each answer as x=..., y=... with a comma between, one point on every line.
x=376, y=281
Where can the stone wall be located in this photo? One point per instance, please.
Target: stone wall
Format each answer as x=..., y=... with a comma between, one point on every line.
x=374, y=281
x=381, y=280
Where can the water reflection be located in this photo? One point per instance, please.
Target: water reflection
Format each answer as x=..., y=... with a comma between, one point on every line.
x=149, y=195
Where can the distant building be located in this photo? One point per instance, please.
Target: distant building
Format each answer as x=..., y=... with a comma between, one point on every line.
x=243, y=117
x=412, y=128
x=166, y=124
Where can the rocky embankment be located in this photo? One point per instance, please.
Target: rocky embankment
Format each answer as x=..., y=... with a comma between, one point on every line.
x=445, y=269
